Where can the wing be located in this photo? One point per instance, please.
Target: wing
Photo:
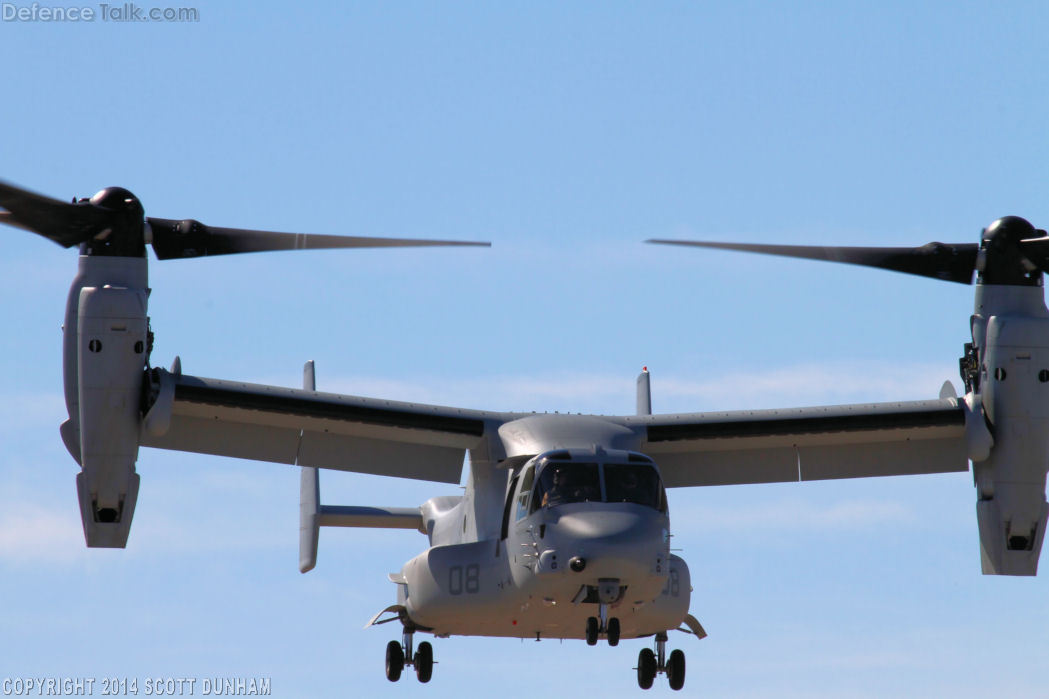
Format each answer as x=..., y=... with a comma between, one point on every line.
x=804, y=444
x=286, y=425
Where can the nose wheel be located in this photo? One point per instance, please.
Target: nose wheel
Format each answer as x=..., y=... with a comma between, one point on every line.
x=399, y=655
x=596, y=626
x=650, y=664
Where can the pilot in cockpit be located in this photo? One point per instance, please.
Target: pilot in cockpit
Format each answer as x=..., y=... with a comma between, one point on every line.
x=555, y=494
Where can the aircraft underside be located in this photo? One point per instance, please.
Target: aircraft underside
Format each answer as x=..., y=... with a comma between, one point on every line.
x=469, y=590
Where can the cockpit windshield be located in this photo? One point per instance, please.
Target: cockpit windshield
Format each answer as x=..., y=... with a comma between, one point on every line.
x=560, y=483
x=633, y=483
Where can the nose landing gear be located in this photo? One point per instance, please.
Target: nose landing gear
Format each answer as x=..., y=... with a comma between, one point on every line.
x=650, y=664
x=398, y=656
x=609, y=627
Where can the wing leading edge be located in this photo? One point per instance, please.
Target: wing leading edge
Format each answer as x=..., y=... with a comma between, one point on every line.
x=309, y=428
x=804, y=444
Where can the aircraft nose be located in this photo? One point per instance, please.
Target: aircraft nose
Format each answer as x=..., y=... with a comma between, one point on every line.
x=625, y=542
x=603, y=525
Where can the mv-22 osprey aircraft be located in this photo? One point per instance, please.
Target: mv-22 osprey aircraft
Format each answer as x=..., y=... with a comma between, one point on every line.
x=563, y=529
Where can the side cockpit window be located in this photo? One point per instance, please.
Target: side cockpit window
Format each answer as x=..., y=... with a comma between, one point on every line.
x=524, y=492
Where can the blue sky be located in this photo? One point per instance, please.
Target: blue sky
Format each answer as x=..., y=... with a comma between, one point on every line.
x=565, y=133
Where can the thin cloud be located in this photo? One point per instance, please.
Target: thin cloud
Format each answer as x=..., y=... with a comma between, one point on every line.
x=31, y=534
x=21, y=411
x=796, y=516
x=35, y=531
x=809, y=384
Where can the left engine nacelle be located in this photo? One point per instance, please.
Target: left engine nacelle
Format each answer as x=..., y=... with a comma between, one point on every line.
x=106, y=354
x=1011, y=327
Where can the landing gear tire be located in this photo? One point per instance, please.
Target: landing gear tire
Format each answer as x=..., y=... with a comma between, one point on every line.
x=612, y=632
x=394, y=661
x=676, y=669
x=592, y=629
x=424, y=662
x=646, y=668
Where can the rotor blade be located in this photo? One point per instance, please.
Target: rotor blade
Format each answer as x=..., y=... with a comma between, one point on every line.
x=1036, y=250
x=8, y=219
x=954, y=263
x=64, y=223
x=188, y=238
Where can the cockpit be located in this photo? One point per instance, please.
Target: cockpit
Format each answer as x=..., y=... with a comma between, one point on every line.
x=556, y=478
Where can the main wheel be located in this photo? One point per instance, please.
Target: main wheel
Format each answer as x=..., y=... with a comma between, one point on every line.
x=591, y=630
x=613, y=631
x=676, y=669
x=646, y=668
x=424, y=662
x=394, y=661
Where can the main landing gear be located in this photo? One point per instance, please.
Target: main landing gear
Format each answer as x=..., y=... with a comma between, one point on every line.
x=398, y=656
x=650, y=664
x=609, y=627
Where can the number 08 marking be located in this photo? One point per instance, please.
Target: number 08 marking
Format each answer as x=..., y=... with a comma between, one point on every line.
x=469, y=583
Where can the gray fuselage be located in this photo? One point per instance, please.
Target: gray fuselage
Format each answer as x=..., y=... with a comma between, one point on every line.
x=577, y=528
